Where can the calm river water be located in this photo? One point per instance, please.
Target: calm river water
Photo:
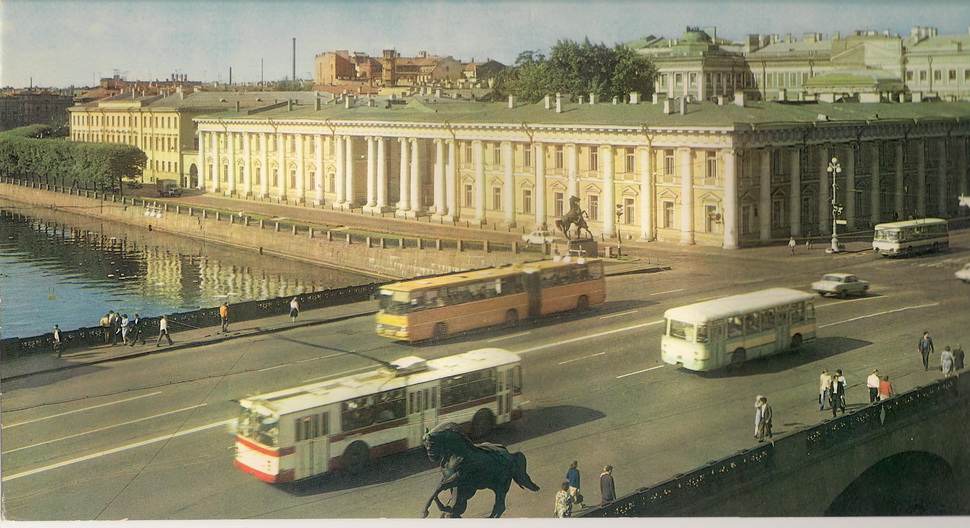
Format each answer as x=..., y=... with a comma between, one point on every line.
x=67, y=269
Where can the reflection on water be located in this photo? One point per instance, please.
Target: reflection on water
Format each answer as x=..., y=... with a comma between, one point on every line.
x=66, y=269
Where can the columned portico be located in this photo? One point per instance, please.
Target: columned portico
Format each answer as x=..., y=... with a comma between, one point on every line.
x=850, y=192
x=795, y=193
x=875, y=186
x=540, y=184
x=451, y=181
x=318, y=175
x=349, y=165
x=942, y=190
x=921, y=178
x=247, y=166
x=371, y=175
x=281, y=163
x=300, y=168
x=609, y=192
x=572, y=182
x=900, y=202
x=404, y=204
x=508, y=187
x=478, y=156
x=231, y=176
x=381, y=175
x=439, y=178
x=824, y=199
x=646, y=195
x=730, y=200
x=764, y=196
x=687, y=197
x=415, y=177
x=203, y=137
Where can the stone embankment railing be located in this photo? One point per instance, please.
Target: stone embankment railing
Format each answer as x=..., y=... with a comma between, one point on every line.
x=381, y=255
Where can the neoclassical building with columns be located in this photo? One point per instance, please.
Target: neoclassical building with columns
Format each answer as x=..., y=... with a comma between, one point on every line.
x=725, y=173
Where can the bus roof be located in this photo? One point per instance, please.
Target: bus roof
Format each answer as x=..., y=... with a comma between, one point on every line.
x=911, y=223
x=490, y=273
x=735, y=305
x=296, y=399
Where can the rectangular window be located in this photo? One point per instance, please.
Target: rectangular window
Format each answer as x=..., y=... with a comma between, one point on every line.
x=938, y=75
x=497, y=198
x=669, y=162
x=497, y=155
x=629, y=211
x=593, y=206
x=678, y=79
x=558, y=203
x=594, y=158
x=468, y=152
x=922, y=76
x=526, y=201
x=952, y=76
x=526, y=155
x=909, y=76
x=668, y=212
x=692, y=78
x=778, y=213
x=558, y=157
x=468, y=195
x=293, y=179
x=711, y=165
x=630, y=161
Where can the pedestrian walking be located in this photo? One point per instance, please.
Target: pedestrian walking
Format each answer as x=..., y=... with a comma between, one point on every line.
x=564, y=503
x=837, y=394
x=958, y=358
x=115, y=322
x=105, y=325
x=163, y=331
x=294, y=309
x=56, y=342
x=572, y=477
x=946, y=362
x=791, y=245
x=607, y=485
x=135, y=331
x=125, y=328
x=885, y=389
x=872, y=382
x=925, y=348
x=757, y=415
x=824, y=388
x=765, y=432
x=224, y=315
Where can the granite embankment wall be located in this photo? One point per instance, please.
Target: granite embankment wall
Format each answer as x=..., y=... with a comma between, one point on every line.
x=386, y=257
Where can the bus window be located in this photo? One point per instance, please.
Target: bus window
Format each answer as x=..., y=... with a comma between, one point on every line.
x=735, y=327
x=768, y=320
x=681, y=330
x=718, y=331
x=810, y=311
x=797, y=313
x=702, y=334
x=781, y=316
x=752, y=323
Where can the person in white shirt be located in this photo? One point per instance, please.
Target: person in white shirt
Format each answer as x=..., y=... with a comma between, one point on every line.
x=824, y=386
x=163, y=331
x=873, y=383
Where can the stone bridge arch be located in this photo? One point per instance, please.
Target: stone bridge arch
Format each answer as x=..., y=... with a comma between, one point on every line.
x=907, y=483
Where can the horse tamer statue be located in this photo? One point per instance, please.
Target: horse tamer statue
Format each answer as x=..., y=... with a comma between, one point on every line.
x=575, y=215
x=467, y=468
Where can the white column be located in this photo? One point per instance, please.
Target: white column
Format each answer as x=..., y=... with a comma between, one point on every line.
x=216, y=163
x=415, y=176
x=609, y=192
x=318, y=175
x=371, y=173
x=647, y=194
x=478, y=155
x=824, y=187
x=264, y=156
x=508, y=187
x=247, y=166
x=795, y=193
x=850, y=211
x=921, y=178
x=451, y=180
x=764, y=198
x=900, y=203
x=730, y=207
x=341, y=170
x=942, y=187
x=281, y=161
x=349, y=173
x=231, y=143
x=300, y=168
x=201, y=159
x=540, y=183
x=382, y=174
x=687, y=197
x=875, y=186
x=572, y=182
x=439, y=178
x=405, y=187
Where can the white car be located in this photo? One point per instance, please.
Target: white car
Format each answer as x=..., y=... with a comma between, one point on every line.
x=840, y=285
x=964, y=274
x=539, y=237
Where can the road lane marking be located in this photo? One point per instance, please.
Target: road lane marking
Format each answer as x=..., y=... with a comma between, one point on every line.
x=105, y=428
x=338, y=375
x=879, y=313
x=618, y=314
x=115, y=450
x=319, y=358
x=869, y=298
x=591, y=336
x=520, y=334
x=79, y=410
x=668, y=291
x=639, y=371
x=271, y=368
x=584, y=357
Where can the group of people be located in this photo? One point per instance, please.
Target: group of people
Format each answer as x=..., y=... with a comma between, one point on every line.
x=831, y=390
x=569, y=492
x=762, y=418
x=950, y=360
x=116, y=325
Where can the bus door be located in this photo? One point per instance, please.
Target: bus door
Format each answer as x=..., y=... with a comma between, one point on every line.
x=422, y=412
x=504, y=395
x=533, y=289
x=312, y=444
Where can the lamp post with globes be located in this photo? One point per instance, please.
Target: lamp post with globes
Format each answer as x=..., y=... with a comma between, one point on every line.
x=834, y=170
x=619, y=237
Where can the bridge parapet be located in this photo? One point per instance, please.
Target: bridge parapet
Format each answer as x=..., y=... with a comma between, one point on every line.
x=705, y=490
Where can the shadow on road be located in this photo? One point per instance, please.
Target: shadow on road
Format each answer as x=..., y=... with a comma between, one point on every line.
x=413, y=461
x=822, y=348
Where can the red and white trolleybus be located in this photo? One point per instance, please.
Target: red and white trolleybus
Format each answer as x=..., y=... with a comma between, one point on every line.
x=341, y=423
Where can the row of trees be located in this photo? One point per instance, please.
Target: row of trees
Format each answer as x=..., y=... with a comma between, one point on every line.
x=576, y=69
x=36, y=153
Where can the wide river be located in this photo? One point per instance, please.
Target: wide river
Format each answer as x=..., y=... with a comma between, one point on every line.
x=67, y=269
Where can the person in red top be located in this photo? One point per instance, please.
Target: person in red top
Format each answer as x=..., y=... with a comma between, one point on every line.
x=885, y=389
x=224, y=315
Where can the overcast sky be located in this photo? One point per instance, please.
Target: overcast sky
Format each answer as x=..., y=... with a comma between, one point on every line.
x=62, y=43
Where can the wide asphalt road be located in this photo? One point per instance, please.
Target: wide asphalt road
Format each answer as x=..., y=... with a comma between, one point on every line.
x=151, y=438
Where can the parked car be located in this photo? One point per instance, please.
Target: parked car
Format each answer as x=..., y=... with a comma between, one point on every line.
x=964, y=274
x=168, y=188
x=539, y=237
x=840, y=285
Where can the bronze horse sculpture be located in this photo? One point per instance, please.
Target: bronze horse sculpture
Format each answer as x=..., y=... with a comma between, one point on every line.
x=467, y=467
x=575, y=216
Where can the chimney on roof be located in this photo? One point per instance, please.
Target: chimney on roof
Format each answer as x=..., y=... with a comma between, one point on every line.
x=558, y=103
x=548, y=99
x=437, y=93
x=836, y=36
x=739, y=98
x=237, y=106
x=316, y=103
x=683, y=106
x=370, y=101
x=783, y=94
x=720, y=100
x=592, y=98
x=347, y=102
x=634, y=97
x=615, y=100
x=581, y=100
x=289, y=105
x=659, y=97
x=511, y=101
x=668, y=106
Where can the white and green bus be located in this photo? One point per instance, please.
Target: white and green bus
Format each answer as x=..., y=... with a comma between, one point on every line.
x=731, y=330
x=910, y=237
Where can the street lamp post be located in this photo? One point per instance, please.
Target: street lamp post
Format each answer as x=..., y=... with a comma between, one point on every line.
x=619, y=236
x=834, y=169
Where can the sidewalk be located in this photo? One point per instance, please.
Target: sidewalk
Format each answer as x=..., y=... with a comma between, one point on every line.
x=182, y=338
